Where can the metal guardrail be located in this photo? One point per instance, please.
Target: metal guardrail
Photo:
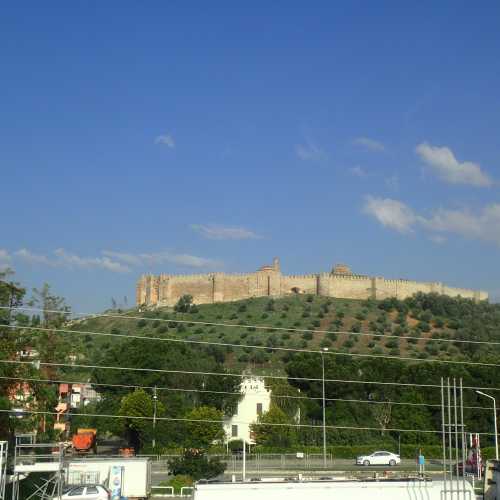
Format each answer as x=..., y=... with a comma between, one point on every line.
x=262, y=461
x=187, y=491
x=165, y=491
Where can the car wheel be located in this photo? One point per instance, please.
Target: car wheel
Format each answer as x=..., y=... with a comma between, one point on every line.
x=392, y=462
x=366, y=463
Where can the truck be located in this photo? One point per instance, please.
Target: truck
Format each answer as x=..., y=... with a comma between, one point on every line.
x=131, y=476
x=84, y=441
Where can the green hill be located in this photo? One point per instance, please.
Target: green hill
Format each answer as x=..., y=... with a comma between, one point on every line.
x=281, y=323
x=311, y=322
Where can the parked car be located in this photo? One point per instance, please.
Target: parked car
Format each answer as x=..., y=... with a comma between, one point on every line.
x=379, y=458
x=86, y=492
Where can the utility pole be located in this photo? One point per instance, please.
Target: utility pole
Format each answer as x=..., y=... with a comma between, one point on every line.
x=155, y=399
x=494, y=419
x=325, y=349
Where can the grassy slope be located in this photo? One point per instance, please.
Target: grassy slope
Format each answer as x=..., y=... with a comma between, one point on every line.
x=297, y=312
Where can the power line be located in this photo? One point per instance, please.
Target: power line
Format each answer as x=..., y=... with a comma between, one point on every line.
x=238, y=375
x=273, y=395
x=89, y=316
x=173, y=419
x=233, y=345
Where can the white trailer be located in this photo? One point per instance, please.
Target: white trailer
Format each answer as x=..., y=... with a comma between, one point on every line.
x=136, y=476
x=319, y=490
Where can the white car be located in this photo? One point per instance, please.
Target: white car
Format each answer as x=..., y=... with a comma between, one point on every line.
x=86, y=492
x=379, y=458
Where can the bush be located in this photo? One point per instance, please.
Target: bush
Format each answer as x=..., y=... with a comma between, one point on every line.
x=196, y=465
x=348, y=344
x=307, y=335
x=423, y=326
x=178, y=482
x=332, y=336
x=309, y=298
x=141, y=323
x=356, y=328
x=163, y=329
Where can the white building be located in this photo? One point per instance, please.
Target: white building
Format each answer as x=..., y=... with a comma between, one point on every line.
x=255, y=401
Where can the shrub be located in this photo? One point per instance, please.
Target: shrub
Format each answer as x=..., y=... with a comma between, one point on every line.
x=307, y=335
x=348, y=343
x=163, y=329
x=242, y=308
x=309, y=298
x=316, y=323
x=356, y=327
x=178, y=482
x=196, y=465
x=423, y=326
x=392, y=343
x=141, y=323
x=332, y=336
x=439, y=323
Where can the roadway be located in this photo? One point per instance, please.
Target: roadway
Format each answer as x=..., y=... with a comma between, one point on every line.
x=276, y=468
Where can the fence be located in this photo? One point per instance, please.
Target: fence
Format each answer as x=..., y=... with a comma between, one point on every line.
x=263, y=461
x=168, y=492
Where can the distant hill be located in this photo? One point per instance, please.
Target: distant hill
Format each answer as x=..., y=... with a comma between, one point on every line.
x=420, y=317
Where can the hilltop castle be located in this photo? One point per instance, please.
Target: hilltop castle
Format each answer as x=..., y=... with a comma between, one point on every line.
x=166, y=289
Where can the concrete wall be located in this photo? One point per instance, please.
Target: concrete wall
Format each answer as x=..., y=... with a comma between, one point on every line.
x=220, y=287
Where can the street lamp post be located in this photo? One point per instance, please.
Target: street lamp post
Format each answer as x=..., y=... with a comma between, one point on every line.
x=325, y=349
x=494, y=420
x=155, y=399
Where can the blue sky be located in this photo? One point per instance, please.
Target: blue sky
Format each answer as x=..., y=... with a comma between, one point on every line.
x=187, y=137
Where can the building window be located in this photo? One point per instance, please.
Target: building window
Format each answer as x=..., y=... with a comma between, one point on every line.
x=234, y=431
x=259, y=408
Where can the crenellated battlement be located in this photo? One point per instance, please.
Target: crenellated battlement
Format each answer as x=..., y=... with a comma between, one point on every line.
x=166, y=289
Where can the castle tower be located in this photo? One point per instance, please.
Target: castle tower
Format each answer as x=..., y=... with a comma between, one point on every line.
x=276, y=264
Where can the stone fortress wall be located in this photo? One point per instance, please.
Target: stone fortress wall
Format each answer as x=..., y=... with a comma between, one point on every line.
x=166, y=289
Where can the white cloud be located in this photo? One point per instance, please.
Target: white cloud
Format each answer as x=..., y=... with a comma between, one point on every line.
x=116, y=262
x=214, y=232
x=165, y=140
x=391, y=213
x=438, y=239
x=357, y=171
x=75, y=261
x=483, y=224
x=62, y=258
x=370, y=144
x=445, y=165
x=4, y=255
x=309, y=151
x=33, y=258
x=151, y=259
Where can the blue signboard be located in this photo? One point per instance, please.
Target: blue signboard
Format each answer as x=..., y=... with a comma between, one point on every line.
x=115, y=481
